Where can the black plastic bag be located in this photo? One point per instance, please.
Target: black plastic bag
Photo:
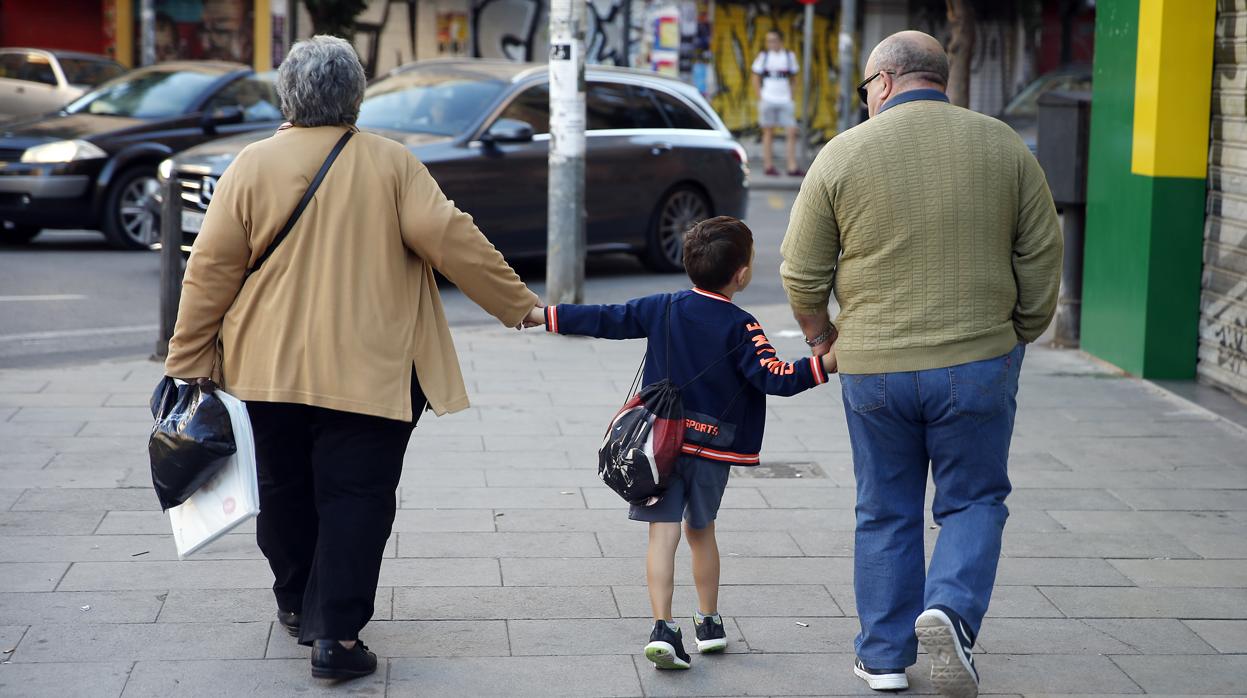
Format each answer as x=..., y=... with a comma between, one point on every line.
x=191, y=441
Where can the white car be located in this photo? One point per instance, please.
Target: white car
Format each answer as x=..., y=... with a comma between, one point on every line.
x=34, y=81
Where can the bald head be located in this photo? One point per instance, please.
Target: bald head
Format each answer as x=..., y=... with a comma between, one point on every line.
x=912, y=57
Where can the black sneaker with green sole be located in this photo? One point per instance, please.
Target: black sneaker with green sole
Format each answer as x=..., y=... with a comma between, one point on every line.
x=666, y=647
x=711, y=637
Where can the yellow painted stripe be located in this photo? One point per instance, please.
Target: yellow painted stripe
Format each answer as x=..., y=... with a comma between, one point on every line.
x=1173, y=88
x=263, y=36
x=123, y=31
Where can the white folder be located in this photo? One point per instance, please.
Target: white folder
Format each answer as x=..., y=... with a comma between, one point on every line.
x=229, y=498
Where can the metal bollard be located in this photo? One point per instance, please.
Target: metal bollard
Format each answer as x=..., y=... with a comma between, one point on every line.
x=170, y=263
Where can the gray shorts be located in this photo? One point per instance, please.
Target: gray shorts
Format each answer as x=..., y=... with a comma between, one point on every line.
x=694, y=494
x=777, y=114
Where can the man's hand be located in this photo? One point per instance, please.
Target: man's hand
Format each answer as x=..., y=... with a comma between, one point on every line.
x=535, y=318
x=815, y=325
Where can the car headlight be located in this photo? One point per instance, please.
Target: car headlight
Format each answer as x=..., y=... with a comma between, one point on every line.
x=165, y=170
x=63, y=151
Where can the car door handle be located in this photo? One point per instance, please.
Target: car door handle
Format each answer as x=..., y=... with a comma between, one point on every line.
x=660, y=148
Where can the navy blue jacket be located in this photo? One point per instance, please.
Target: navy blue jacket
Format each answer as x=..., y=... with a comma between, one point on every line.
x=724, y=408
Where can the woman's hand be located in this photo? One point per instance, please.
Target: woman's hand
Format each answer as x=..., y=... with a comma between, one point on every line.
x=535, y=318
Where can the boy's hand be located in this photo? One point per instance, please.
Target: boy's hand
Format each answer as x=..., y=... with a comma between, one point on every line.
x=536, y=317
x=829, y=360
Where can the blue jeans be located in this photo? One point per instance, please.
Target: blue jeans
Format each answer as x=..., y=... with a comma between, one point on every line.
x=960, y=420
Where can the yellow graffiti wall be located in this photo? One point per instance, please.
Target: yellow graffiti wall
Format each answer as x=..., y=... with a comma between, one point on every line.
x=739, y=35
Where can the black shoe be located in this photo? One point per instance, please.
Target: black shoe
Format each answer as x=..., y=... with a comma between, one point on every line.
x=666, y=647
x=710, y=634
x=945, y=637
x=330, y=660
x=290, y=621
x=881, y=679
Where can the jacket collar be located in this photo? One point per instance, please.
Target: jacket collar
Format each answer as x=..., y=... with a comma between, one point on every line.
x=926, y=93
x=712, y=294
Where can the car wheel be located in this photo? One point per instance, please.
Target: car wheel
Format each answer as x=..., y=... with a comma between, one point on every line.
x=131, y=220
x=17, y=234
x=678, y=211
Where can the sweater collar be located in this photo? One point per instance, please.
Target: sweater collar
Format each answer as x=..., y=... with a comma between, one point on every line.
x=926, y=93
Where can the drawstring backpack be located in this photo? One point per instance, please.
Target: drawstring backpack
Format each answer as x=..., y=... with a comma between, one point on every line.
x=646, y=437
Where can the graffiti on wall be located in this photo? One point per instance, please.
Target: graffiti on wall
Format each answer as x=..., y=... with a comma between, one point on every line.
x=516, y=30
x=739, y=35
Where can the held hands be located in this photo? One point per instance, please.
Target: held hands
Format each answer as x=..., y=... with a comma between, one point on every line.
x=535, y=318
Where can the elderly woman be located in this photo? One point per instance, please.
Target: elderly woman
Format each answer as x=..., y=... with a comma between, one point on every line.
x=337, y=342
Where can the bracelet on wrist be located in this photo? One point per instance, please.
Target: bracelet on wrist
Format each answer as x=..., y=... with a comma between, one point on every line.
x=822, y=336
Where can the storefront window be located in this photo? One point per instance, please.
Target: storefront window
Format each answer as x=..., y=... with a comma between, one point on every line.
x=202, y=30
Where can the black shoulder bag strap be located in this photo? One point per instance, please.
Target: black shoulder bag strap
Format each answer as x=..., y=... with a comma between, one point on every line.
x=307, y=198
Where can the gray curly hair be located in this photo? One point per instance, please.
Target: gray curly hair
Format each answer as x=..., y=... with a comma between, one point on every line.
x=321, y=83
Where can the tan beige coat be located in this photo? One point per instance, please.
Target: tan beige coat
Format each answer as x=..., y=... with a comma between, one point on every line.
x=336, y=317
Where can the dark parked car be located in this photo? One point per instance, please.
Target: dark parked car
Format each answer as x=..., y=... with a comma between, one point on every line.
x=658, y=157
x=1022, y=112
x=93, y=164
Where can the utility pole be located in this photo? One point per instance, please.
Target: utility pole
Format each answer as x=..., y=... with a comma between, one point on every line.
x=147, y=30
x=565, y=265
x=807, y=99
x=847, y=117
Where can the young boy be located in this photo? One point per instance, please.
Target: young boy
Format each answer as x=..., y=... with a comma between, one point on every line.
x=725, y=367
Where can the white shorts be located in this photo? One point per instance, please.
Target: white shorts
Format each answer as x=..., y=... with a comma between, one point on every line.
x=777, y=114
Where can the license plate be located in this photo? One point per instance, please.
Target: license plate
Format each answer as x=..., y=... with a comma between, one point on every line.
x=192, y=221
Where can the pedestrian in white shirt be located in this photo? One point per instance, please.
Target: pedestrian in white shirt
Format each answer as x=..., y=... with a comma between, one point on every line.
x=774, y=71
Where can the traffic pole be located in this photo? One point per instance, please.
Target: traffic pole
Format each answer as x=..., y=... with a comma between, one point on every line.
x=848, y=66
x=807, y=99
x=147, y=31
x=565, y=266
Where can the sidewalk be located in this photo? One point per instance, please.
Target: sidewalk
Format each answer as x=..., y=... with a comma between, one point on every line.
x=514, y=572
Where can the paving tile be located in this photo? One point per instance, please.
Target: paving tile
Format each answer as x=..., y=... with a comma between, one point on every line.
x=1184, y=573
x=11, y=430
x=1017, y=636
x=731, y=544
x=127, y=523
x=465, y=603
x=749, y=600
x=102, y=477
x=35, y=414
x=627, y=571
x=1065, y=499
x=9, y=495
x=515, y=676
x=1184, y=500
x=32, y=461
x=89, y=499
x=442, y=477
x=1173, y=523
x=9, y=637
x=100, y=427
x=98, y=642
x=1216, y=545
x=542, y=477
x=1210, y=673
x=188, y=574
x=617, y=636
x=1058, y=572
x=1006, y=602
x=239, y=605
x=61, y=680
x=1101, y=545
x=757, y=675
x=408, y=638
x=1226, y=636
x=31, y=608
x=414, y=572
x=31, y=576
x=1152, y=635
x=1121, y=602
x=565, y=520
x=419, y=521
x=269, y=678
x=800, y=634
x=1208, y=477
x=486, y=459
x=127, y=399
x=506, y=544
x=1002, y=673
x=739, y=497
x=491, y=498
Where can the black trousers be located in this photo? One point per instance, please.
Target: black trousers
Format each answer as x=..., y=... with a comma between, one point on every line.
x=327, y=501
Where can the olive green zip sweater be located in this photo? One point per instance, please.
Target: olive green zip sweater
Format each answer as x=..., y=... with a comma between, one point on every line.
x=936, y=229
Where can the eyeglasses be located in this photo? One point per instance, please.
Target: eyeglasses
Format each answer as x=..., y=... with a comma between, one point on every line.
x=861, y=87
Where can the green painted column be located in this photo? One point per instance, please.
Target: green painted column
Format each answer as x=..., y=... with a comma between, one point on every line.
x=1146, y=184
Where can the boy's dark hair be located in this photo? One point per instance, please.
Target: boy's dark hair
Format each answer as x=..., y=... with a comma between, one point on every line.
x=715, y=249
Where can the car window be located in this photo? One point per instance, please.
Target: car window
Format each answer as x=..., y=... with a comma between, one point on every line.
x=88, y=72
x=11, y=65
x=151, y=94
x=428, y=101
x=255, y=97
x=678, y=113
x=608, y=106
x=645, y=110
x=37, y=68
x=532, y=106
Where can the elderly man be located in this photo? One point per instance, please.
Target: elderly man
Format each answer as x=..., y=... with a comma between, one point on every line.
x=936, y=228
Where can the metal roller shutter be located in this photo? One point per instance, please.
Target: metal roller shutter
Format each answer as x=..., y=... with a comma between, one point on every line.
x=1223, y=301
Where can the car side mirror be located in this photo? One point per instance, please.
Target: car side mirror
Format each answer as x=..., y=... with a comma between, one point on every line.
x=222, y=116
x=508, y=131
